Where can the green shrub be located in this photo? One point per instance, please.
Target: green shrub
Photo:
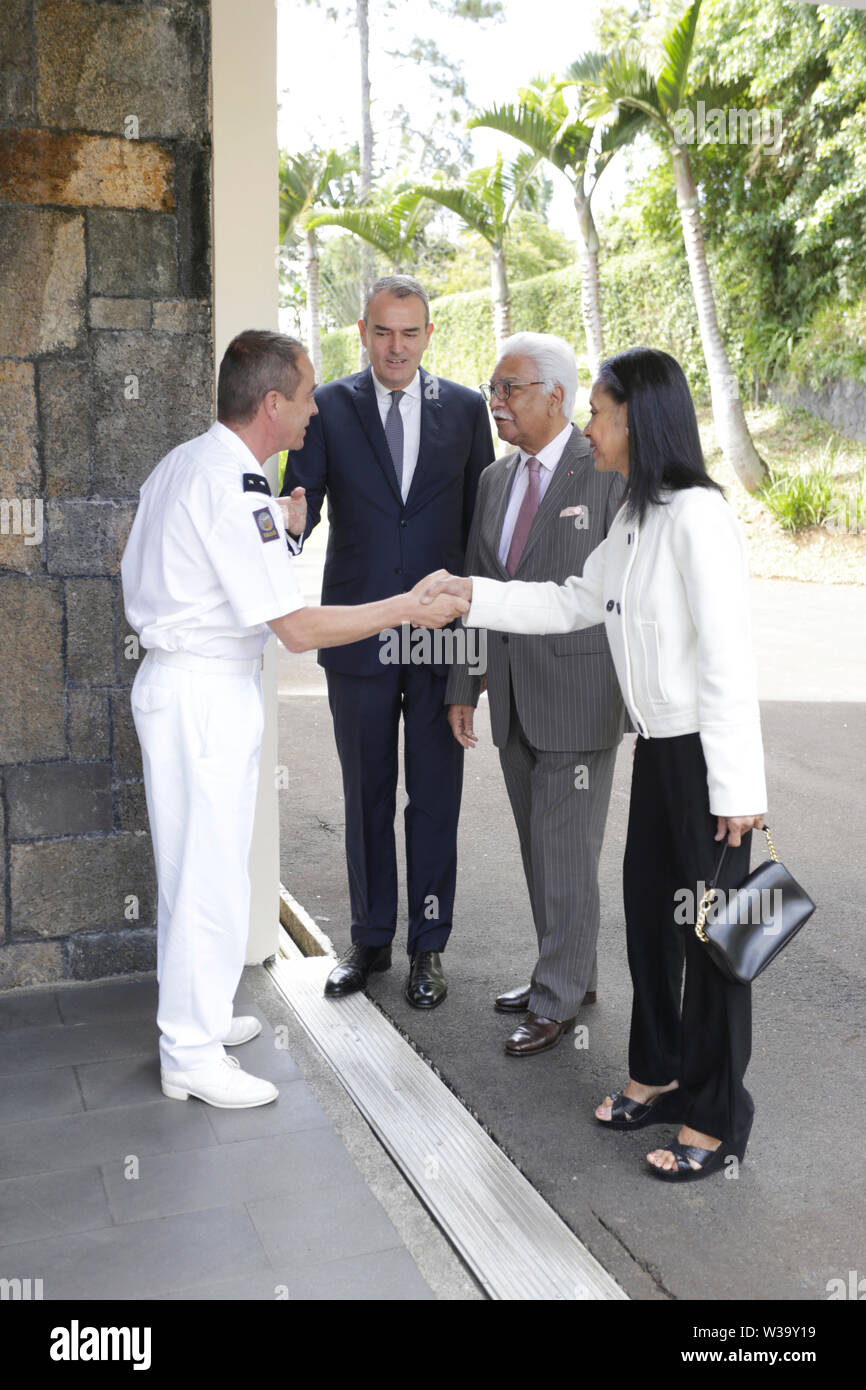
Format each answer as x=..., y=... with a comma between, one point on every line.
x=851, y=509
x=802, y=499
x=832, y=345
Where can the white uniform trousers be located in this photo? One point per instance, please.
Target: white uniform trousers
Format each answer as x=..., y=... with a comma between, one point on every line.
x=199, y=721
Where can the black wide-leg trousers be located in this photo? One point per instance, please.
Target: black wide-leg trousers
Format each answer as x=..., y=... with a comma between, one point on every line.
x=699, y=1034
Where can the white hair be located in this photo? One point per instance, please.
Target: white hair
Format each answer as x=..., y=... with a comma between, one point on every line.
x=554, y=360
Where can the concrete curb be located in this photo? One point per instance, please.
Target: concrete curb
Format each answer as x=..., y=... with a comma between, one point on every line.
x=307, y=936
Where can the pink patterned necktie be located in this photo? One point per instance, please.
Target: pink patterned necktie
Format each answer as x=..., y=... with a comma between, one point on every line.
x=528, y=508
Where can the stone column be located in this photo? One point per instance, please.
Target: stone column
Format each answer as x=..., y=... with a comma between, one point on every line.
x=106, y=362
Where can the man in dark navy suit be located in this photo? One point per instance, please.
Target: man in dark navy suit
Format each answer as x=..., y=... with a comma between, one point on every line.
x=399, y=454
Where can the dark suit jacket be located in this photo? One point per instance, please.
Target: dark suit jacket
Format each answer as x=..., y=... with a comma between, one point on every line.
x=377, y=546
x=565, y=687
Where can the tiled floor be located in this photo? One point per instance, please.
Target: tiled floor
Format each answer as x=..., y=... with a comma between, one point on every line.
x=108, y=1190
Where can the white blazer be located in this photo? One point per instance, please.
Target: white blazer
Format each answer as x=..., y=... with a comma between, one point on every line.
x=672, y=593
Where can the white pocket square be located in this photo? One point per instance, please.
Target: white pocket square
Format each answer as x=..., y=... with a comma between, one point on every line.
x=573, y=511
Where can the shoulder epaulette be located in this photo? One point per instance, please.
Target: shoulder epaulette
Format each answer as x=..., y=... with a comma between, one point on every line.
x=256, y=482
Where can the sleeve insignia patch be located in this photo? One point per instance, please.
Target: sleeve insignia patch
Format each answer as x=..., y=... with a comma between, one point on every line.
x=256, y=482
x=266, y=524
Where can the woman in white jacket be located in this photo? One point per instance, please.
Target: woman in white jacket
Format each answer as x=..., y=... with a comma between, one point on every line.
x=670, y=583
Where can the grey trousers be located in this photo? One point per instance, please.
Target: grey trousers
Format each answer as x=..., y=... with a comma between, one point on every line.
x=559, y=801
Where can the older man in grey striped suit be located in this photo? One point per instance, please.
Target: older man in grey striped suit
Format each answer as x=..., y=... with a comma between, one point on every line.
x=555, y=709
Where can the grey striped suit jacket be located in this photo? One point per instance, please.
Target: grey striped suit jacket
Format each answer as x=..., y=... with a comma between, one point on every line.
x=565, y=687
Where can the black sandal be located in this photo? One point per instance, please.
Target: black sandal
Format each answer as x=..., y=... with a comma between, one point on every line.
x=626, y=1113
x=710, y=1160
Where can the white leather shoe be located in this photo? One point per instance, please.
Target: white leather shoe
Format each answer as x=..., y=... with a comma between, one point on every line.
x=222, y=1084
x=243, y=1029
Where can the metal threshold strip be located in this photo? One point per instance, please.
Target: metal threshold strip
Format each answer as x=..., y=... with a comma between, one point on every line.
x=514, y=1243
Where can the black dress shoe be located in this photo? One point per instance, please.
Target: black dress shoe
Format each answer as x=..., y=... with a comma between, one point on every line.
x=350, y=974
x=516, y=1001
x=425, y=987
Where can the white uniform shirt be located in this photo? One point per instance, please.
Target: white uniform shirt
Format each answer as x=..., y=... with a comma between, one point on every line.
x=206, y=565
x=548, y=457
x=410, y=414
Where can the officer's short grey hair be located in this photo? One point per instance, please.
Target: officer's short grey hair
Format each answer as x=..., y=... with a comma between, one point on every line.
x=256, y=362
x=401, y=286
x=555, y=362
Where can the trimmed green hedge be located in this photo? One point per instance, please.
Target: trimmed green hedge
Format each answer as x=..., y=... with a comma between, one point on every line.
x=339, y=353
x=647, y=299
x=462, y=347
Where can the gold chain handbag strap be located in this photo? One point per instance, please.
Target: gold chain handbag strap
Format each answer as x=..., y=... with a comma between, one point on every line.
x=708, y=895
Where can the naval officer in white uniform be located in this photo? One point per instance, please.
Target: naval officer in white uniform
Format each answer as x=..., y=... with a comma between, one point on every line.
x=206, y=573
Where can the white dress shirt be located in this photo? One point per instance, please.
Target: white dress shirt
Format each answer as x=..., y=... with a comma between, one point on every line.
x=548, y=457
x=410, y=414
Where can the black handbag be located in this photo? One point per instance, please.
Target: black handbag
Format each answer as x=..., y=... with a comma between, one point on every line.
x=746, y=928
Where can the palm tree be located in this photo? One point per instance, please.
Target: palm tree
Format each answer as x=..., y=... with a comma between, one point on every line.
x=309, y=182
x=362, y=20
x=485, y=202
x=623, y=79
x=394, y=228
x=544, y=124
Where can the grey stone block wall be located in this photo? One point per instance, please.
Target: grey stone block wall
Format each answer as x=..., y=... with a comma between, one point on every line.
x=841, y=403
x=105, y=364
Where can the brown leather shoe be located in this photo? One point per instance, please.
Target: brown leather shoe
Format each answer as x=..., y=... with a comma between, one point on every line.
x=536, y=1034
x=513, y=1001
x=516, y=1001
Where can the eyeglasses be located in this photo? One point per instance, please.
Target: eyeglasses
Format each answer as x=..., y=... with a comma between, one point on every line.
x=503, y=389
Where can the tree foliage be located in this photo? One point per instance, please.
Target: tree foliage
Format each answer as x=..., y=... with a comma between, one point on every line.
x=783, y=220
x=531, y=248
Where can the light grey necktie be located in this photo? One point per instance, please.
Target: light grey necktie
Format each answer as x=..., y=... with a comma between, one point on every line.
x=394, y=435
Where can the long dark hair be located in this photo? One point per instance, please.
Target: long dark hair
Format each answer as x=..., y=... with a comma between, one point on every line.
x=664, y=446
